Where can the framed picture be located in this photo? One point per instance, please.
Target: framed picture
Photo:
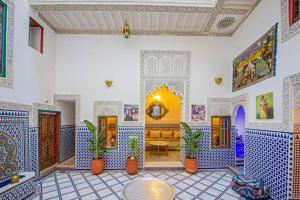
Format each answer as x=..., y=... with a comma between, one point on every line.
x=131, y=112
x=290, y=18
x=198, y=113
x=257, y=63
x=264, y=106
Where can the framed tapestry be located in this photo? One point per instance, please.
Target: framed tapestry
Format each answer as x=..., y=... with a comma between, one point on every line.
x=290, y=18
x=257, y=63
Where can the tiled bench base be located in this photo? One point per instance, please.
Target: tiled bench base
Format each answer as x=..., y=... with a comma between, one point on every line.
x=23, y=190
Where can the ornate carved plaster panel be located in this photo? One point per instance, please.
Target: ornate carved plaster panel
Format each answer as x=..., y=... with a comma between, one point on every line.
x=178, y=78
x=287, y=30
x=38, y=106
x=204, y=3
x=296, y=93
x=8, y=81
x=76, y=99
x=108, y=18
x=103, y=108
x=220, y=106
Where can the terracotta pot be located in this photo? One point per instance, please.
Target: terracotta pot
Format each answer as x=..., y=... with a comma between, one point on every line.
x=191, y=165
x=131, y=166
x=97, y=166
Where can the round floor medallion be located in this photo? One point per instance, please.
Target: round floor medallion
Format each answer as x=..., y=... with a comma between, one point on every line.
x=148, y=189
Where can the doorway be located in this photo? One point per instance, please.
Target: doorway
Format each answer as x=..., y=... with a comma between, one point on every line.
x=162, y=129
x=67, y=133
x=240, y=121
x=49, y=129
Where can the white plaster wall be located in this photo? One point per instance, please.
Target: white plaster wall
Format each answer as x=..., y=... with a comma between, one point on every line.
x=67, y=109
x=84, y=62
x=288, y=62
x=33, y=72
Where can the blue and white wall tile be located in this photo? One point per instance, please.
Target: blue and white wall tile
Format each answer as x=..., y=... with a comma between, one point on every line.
x=16, y=123
x=33, y=150
x=66, y=142
x=267, y=158
x=117, y=157
x=214, y=158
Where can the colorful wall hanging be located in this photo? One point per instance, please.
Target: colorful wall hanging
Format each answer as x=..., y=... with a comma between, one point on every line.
x=198, y=113
x=264, y=106
x=131, y=112
x=257, y=63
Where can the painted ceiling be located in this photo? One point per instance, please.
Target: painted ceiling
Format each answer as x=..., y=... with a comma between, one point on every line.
x=145, y=17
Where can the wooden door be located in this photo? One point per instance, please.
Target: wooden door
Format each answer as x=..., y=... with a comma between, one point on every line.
x=48, y=141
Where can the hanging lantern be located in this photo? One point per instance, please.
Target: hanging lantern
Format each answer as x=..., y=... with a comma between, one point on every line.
x=126, y=30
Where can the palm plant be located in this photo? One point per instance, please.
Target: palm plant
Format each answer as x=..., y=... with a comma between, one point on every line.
x=133, y=146
x=97, y=143
x=192, y=140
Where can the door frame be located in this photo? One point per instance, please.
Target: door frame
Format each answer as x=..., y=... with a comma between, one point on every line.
x=57, y=141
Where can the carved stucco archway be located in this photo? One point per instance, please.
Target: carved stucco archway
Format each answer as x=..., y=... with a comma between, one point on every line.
x=236, y=102
x=165, y=68
x=169, y=68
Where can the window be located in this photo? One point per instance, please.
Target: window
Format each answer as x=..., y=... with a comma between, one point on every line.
x=220, y=132
x=109, y=123
x=3, y=14
x=294, y=9
x=36, y=36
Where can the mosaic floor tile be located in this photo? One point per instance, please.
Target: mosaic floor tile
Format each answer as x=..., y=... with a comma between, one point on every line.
x=83, y=185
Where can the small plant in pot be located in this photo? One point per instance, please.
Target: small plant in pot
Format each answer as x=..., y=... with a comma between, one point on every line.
x=192, y=140
x=132, y=160
x=97, y=146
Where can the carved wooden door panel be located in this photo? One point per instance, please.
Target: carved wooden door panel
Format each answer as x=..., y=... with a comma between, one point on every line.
x=47, y=141
x=51, y=140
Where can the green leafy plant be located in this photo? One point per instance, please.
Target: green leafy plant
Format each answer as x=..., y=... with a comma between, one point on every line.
x=192, y=140
x=133, y=146
x=98, y=141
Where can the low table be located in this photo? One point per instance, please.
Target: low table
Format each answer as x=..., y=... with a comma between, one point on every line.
x=159, y=144
x=148, y=189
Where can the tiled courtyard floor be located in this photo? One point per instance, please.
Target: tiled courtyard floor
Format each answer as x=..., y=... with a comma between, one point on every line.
x=207, y=185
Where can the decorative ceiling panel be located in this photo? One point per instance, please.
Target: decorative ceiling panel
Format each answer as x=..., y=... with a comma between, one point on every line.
x=95, y=17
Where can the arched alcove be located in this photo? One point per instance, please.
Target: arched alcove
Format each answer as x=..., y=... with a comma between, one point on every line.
x=240, y=125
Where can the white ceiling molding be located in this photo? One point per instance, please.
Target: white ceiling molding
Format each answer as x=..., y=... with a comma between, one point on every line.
x=96, y=17
x=204, y=3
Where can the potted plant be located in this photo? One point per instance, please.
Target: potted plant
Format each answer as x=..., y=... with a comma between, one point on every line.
x=98, y=147
x=132, y=161
x=192, y=144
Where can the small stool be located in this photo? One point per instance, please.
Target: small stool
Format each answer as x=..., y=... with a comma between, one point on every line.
x=250, y=187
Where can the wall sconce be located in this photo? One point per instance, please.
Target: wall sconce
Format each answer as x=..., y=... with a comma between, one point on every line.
x=108, y=83
x=218, y=80
x=126, y=30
